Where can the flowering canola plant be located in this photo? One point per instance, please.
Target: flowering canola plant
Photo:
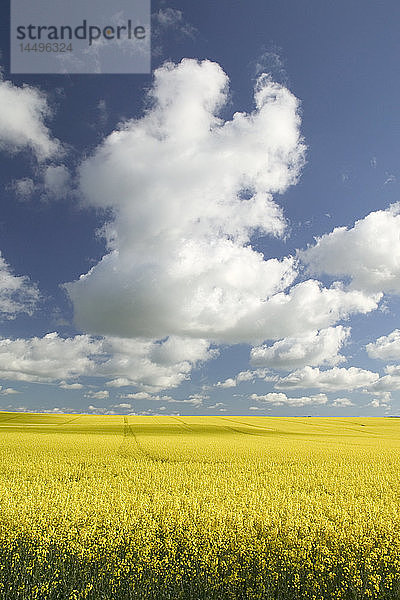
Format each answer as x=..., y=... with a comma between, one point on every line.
x=199, y=508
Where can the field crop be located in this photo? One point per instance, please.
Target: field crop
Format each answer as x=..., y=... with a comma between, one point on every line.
x=199, y=508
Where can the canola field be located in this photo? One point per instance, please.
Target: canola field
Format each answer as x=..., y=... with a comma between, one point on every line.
x=199, y=508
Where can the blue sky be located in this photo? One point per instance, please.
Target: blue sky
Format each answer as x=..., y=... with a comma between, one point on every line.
x=233, y=214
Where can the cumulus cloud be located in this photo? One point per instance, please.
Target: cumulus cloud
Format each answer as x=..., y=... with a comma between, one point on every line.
x=329, y=380
x=136, y=396
x=150, y=364
x=99, y=395
x=175, y=350
x=378, y=403
x=195, y=401
x=131, y=362
x=314, y=348
x=23, y=111
x=220, y=406
x=188, y=190
x=17, y=293
x=147, y=396
x=368, y=253
x=184, y=192
x=392, y=370
x=47, y=359
x=243, y=376
x=386, y=347
x=306, y=307
x=8, y=391
x=228, y=383
x=280, y=399
x=342, y=402
x=56, y=411
x=64, y=385
x=96, y=409
x=387, y=383
x=383, y=386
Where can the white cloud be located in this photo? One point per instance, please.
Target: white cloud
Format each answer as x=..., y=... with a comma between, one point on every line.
x=64, y=385
x=329, y=380
x=280, y=399
x=47, y=359
x=242, y=377
x=199, y=398
x=17, y=293
x=194, y=399
x=192, y=189
x=118, y=382
x=124, y=405
x=100, y=395
x=56, y=181
x=390, y=179
x=378, y=403
x=228, y=383
x=176, y=350
x=306, y=307
x=342, y=402
x=96, y=409
x=384, y=396
x=23, y=111
x=221, y=406
x=150, y=365
x=136, y=396
x=368, y=253
x=8, y=391
x=271, y=61
x=386, y=347
x=251, y=375
x=150, y=397
x=314, y=348
x=387, y=383
x=191, y=400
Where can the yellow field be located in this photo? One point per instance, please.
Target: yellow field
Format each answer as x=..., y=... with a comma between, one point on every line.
x=199, y=508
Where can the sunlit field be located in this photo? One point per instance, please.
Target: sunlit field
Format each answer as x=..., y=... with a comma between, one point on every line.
x=208, y=508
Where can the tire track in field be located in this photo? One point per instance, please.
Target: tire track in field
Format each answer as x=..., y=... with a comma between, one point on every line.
x=130, y=434
x=248, y=425
x=69, y=421
x=241, y=431
x=38, y=424
x=10, y=418
x=183, y=424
